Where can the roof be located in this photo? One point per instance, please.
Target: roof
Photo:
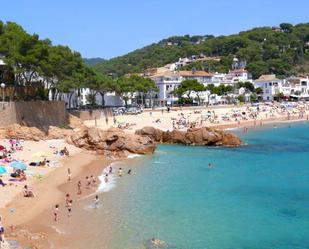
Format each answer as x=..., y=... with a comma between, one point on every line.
x=238, y=71
x=194, y=74
x=165, y=74
x=267, y=77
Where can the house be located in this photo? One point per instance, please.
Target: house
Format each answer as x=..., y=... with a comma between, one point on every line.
x=166, y=82
x=270, y=85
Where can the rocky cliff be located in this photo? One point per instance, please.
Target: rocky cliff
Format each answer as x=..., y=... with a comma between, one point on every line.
x=198, y=136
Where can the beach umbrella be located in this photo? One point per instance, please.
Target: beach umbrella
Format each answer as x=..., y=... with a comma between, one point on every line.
x=18, y=165
x=2, y=170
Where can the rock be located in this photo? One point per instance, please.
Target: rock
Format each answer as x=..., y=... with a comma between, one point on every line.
x=22, y=132
x=58, y=133
x=112, y=142
x=204, y=136
x=75, y=122
x=155, y=243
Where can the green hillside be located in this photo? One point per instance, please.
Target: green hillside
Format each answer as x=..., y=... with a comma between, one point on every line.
x=283, y=51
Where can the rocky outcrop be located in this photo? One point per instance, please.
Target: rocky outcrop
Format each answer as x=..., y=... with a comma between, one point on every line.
x=17, y=131
x=198, y=136
x=58, y=133
x=22, y=132
x=113, y=141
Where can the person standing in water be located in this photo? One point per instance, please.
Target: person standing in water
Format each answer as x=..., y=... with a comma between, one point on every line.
x=209, y=165
x=96, y=202
x=106, y=178
x=110, y=170
x=120, y=172
x=129, y=172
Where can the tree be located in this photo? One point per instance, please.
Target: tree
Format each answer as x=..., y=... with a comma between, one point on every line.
x=286, y=27
x=188, y=86
x=241, y=98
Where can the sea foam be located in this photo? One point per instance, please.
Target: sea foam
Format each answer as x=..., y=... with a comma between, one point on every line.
x=107, y=186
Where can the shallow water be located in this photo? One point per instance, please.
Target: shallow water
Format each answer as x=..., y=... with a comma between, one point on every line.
x=254, y=197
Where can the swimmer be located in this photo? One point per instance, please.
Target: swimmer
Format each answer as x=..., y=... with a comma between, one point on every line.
x=110, y=170
x=106, y=178
x=129, y=172
x=209, y=165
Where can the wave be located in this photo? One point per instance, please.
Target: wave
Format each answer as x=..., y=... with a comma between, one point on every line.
x=111, y=183
x=133, y=155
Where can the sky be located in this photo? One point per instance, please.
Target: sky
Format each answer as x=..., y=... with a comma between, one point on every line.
x=110, y=28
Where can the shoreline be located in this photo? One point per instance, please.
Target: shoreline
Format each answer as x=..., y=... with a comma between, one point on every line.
x=34, y=226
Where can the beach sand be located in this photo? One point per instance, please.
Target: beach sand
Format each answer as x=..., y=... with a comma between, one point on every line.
x=194, y=114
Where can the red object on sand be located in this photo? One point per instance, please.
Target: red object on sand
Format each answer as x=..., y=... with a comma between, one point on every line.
x=2, y=147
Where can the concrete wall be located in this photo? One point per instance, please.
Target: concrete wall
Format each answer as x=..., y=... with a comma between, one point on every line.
x=33, y=113
x=92, y=114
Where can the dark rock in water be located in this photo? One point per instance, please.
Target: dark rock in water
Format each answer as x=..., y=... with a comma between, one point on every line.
x=204, y=136
x=156, y=243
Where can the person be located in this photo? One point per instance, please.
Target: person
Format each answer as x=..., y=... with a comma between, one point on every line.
x=111, y=170
x=79, y=188
x=106, y=178
x=129, y=172
x=69, y=208
x=120, y=172
x=106, y=120
x=67, y=200
x=1, y=230
x=56, y=213
x=96, y=201
x=22, y=176
x=69, y=175
x=94, y=181
x=28, y=192
x=115, y=121
x=2, y=183
x=209, y=165
x=88, y=180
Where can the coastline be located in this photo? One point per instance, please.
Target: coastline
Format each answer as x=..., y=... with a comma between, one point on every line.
x=32, y=224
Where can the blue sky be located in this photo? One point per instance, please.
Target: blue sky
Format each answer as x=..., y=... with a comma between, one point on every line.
x=109, y=28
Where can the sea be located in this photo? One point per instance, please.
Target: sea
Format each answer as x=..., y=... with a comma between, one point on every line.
x=252, y=197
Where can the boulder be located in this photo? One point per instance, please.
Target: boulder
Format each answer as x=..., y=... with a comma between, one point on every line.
x=113, y=141
x=204, y=136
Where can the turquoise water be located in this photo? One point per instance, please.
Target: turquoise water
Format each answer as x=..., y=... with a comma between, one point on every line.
x=254, y=197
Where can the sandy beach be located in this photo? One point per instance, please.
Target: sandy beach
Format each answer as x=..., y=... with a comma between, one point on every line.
x=30, y=220
x=220, y=117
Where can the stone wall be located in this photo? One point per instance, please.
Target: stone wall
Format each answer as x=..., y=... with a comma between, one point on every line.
x=33, y=113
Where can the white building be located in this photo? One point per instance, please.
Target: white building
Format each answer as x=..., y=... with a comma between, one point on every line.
x=74, y=100
x=270, y=85
x=168, y=81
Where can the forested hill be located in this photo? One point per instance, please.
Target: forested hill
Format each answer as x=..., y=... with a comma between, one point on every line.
x=93, y=61
x=283, y=50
